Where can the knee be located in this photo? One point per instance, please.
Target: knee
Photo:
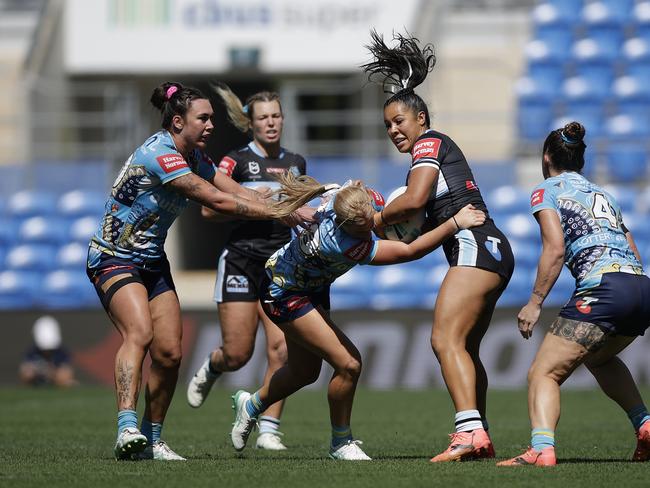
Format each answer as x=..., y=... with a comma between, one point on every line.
x=167, y=357
x=235, y=359
x=140, y=337
x=277, y=354
x=352, y=369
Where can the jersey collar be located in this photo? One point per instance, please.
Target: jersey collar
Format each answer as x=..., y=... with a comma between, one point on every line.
x=254, y=147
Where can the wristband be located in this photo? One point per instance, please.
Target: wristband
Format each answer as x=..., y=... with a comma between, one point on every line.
x=455, y=223
x=381, y=216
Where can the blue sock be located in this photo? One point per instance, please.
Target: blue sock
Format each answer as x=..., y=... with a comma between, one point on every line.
x=126, y=418
x=151, y=430
x=542, y=438
x=269, y=424
x=638, y=416
x=254, y=406
x=341, y=434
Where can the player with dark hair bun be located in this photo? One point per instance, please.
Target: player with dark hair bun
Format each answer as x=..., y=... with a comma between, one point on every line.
x=128, y=266
x=481, y=260
x=582, y=225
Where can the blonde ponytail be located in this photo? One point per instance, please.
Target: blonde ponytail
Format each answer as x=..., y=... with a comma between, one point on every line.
x=295, y=191
x=234, y=107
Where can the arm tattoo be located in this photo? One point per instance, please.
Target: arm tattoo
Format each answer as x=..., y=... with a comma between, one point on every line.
x=123, y=382
x=539, y=294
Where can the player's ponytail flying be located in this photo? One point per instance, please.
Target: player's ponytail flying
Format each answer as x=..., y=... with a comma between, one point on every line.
x=400, y=69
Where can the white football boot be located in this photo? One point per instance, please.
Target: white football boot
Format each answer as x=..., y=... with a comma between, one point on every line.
x=200, y=385
x=130, y=441
x=158, y=451
x=270, y=441
x=349, y=451
x=244, y=423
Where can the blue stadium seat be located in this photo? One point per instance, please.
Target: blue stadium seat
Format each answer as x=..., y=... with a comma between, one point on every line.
x=643, y=201
x=553, y=29
x=535, y=110
x=518, y=290
x=8, y=231
x=395, y=300
x=607, y=13
x=627, y=162
x=3, y=253
x=636, y=56
x=82, y=229
x=433, y=278
x=641, y=17
x=78, y=203
x=626, y=197
x=63, y=176
x=526, y=253
x=632, y=96
x=567, y=9
x=28, y=203
x=31, y=257
x=72, y=256
x=64, y=289
x=562, y=290
x=637, y=224
x=44, y=230
x=406, y=277
x=521, y=226
x=18, y=289
x=507, y=199
x=627, y=128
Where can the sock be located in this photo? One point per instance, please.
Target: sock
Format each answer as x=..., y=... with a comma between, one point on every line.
x=542, y=438
x=126, y=418
x=341, y=434
x=468, y=420
x=254, y=406
x=211, y=369
x=486, y=426
x=269, y=424
x=638, y=416
x=151, y=430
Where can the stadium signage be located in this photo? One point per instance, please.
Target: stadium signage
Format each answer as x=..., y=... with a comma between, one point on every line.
x=136, y=36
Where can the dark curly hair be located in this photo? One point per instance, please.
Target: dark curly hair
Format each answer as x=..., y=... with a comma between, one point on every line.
x=174, y=99
x=400, y=69
x=565, y=147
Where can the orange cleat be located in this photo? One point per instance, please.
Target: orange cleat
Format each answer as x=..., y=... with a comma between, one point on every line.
x=545, y=457
x=642, y=451
x=466, y=446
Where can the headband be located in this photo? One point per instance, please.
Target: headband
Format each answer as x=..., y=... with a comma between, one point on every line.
x=568, y=140
x=170, y=91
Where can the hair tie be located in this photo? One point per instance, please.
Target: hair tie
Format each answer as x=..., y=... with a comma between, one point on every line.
x=568, y=140
x=245, y=109
x=170, y=91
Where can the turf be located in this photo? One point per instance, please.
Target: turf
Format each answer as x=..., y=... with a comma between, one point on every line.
x=64, y=438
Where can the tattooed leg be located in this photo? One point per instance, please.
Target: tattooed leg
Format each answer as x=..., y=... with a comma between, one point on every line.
x=590, y=336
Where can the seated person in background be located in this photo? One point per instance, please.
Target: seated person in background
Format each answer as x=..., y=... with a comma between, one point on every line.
x=47, y=362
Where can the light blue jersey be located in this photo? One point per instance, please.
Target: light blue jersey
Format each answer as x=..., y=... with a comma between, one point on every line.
x=594, y=233
x=141, y=207
x=317, y=256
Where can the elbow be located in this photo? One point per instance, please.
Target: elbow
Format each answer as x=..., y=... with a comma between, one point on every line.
x=207, y=212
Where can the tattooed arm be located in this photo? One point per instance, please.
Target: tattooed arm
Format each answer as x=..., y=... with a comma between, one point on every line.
x=548, y=269
x=196, y=188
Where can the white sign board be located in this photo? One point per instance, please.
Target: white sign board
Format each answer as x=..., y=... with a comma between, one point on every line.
x=204, y=36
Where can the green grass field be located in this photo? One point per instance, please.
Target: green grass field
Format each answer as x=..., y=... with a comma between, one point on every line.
x=65, y=438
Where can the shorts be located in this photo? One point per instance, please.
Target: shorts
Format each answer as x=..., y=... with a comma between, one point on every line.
x=620, y=304
x=155, y=277
x=292, y=305
x=484, y=247
x=239, y=278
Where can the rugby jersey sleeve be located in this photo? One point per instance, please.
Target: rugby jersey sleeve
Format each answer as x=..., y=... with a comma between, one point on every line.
x=361, y=252
x=228, y=165
x=541, y=198
x=167, y=165
x=206, y=168
x=428, y=151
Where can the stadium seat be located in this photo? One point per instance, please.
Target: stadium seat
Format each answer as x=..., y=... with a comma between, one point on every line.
x=63, y=289
x=632, y=96
x=535, y=110
x=562, y=290
x=637, y=224
x=626, y=197
x=526, y=253
x=398, y=278
x=627, y=162
x=72, y=256
x=627, y=127
x=641, y=17
x=28, y=203
x=8, y=231
x=567, y=9
x=18, y=289
x=518, y=290
x=636, y=57
x=521, y=226
x=507, y=199
x=644, y=201
x=349, y=301
x=44, y=230
x=78, y=203
x=30, y=257
x=607, y=13
x=553, y=29
x=82, y=229
x=395, y=300
x=3, y=253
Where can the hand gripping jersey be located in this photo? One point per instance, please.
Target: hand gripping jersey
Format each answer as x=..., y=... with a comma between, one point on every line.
x=259, y=239
x=594, y=233
x=317, y=256
x=455, y=187
x=141, y=208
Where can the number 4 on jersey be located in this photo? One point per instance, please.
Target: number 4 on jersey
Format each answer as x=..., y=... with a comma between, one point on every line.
x=603, y=210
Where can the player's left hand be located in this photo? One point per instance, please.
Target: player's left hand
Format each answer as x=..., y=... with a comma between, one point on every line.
x=527, y=319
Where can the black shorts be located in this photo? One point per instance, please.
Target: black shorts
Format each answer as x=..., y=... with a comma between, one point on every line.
x=239, y=278
x=620, y=304
x=293, y=305
x=484, y=247
x=155, y=277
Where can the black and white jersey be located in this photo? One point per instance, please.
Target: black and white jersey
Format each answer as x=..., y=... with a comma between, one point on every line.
x=455, y=187
x=259, y=239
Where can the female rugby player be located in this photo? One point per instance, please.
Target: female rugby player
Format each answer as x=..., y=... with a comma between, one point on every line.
x=582, y=225
x=297, y=293
x=251, y=243
x=128, y=266
x=480, y=259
